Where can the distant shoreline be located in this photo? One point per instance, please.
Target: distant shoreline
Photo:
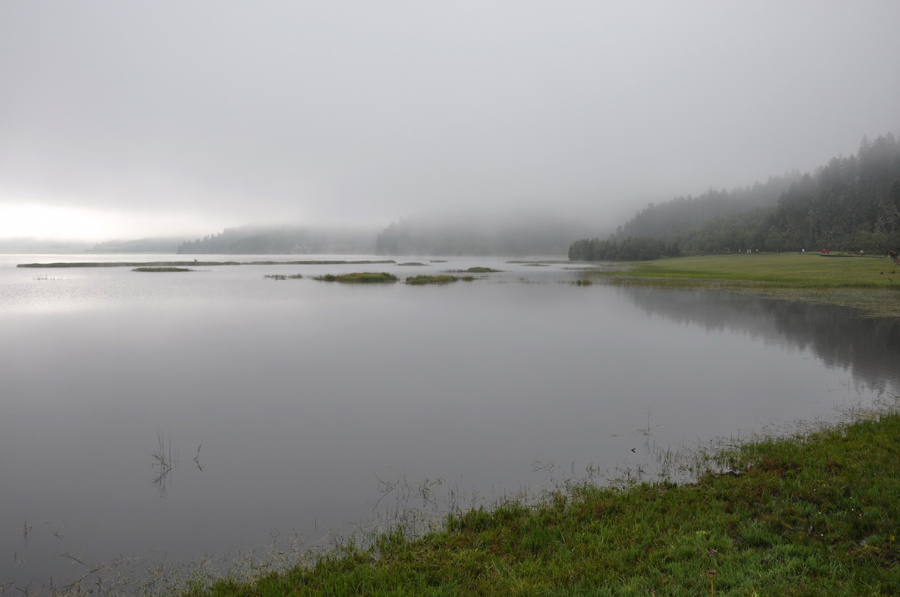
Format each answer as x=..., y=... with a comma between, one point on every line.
x=73, y=264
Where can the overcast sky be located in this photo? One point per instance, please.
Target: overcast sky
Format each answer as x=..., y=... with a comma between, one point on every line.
x=120, y=119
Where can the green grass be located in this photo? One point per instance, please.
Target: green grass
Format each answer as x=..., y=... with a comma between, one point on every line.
x=359, y=278
x=817, y=514
x=869, y=284
x=161, y=269
x=781, y=269
x=421, y=280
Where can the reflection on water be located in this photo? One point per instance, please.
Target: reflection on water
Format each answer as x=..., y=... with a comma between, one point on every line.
x=305, y=406
x=869, y=348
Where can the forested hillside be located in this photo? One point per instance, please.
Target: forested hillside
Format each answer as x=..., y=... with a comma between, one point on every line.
x=510, y=234
x=279, y=241
x=850, y=204
x=684, y=213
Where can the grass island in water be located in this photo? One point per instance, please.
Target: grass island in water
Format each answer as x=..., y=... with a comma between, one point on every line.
x=422, y=280
x=359, y=278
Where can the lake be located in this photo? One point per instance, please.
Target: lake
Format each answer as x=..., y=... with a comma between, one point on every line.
x=168, y=417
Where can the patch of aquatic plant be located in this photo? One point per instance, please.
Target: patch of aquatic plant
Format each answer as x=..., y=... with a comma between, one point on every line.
x=421, y=280
x=480, y=270
x=812, y=513
x=411, y=263
x=583, y=282
x=438, y=261
x=161, y=269
x=359, y=278
x=477, y=270
x=284, y=276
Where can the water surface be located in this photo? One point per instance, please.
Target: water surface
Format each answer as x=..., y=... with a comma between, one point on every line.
x=282, y=403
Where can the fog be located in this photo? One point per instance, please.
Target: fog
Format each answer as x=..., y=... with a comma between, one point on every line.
x=134, y=119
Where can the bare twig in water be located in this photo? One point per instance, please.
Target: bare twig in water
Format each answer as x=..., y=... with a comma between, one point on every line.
x=163, y=464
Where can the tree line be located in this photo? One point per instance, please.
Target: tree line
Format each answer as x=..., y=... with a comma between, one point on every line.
x=250, y=240
x=850, y=204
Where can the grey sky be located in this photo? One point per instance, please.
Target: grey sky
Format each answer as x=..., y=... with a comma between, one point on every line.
x=190, y=116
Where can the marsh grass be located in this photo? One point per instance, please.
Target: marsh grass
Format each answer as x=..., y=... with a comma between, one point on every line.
x=869, y=284
x=439, y=279
x=359, y=278
x=813, y=511
x=781, y=269
x=806, y=508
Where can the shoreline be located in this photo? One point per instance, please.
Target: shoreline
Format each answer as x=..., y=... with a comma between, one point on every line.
x=870, y=285
x=797, y=514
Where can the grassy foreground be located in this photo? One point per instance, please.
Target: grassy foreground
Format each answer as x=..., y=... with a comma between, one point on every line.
x=870, y=284
x=811, y=515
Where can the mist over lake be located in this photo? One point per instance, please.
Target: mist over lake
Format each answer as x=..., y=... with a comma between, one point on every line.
x=281, y=406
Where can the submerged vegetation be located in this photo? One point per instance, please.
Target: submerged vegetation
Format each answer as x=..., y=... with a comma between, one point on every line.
x=817, y=513
x=284, y=276
x=162, y=269
x=421, y=280
x=359, y=278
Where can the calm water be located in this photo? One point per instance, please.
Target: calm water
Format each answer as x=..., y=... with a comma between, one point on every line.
x=280, y=404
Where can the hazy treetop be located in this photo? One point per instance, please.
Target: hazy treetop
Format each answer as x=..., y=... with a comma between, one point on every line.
x=190, y=116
